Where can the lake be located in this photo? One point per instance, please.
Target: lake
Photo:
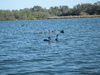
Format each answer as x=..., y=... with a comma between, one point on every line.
x=77, y=51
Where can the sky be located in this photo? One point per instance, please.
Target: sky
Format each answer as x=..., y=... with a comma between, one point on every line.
x=21, y=4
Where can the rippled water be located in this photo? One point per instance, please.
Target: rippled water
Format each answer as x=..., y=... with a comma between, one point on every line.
x=23, y=51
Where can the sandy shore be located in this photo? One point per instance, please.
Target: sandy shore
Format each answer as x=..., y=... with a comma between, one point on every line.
x=85, y=16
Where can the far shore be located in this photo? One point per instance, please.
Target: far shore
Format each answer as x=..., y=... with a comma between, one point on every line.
x=83, y=16
x=60, y=17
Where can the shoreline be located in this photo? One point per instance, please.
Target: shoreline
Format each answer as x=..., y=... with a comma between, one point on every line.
x=58, y=17
x=83, y=16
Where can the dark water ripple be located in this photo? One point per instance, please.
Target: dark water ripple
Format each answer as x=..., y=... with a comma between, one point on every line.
x=23, y=51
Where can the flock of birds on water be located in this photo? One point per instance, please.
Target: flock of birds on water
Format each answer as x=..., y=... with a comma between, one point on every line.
x=49, y=38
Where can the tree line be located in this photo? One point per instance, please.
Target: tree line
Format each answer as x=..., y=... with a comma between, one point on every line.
x=37, y=12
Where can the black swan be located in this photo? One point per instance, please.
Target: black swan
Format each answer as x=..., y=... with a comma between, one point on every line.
x=62, y=31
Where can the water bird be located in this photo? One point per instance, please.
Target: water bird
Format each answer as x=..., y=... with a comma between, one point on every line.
x=22, y=25
x=56, y=37
x=53, y=31
x=42, y=32
x=62, y=31
x=49, y=39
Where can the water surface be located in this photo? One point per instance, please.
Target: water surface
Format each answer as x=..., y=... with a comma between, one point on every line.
x=23, y=51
